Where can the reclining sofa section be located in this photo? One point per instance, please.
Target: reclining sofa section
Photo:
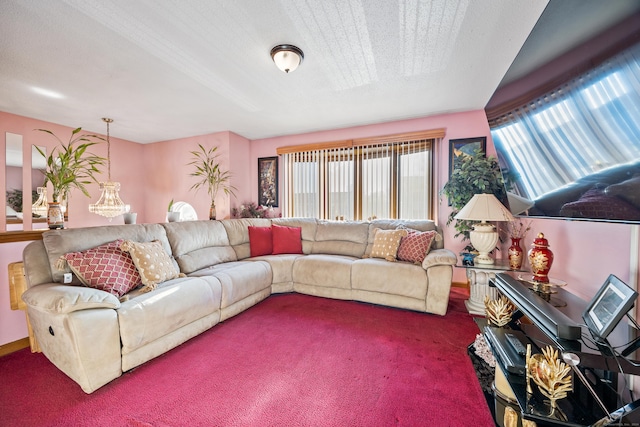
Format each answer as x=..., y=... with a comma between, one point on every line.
x=92, y=336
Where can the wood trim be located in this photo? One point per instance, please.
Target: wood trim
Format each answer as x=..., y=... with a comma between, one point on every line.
x=14, y=346
x=464, y=285
x=402, y=137
x=313, y=147
x=396, y=138
x=21, y=236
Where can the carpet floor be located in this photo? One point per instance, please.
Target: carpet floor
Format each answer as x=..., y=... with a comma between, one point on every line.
x=292, y=360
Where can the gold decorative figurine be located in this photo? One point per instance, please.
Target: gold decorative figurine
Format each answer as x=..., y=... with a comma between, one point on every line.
x=550, y=374
x=498, y=311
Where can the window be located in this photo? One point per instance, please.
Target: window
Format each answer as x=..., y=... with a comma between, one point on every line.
x=387, y=177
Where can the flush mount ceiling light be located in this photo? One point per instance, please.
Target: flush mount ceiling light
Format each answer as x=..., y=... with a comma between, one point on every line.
x=109, y=204
x=287, y=57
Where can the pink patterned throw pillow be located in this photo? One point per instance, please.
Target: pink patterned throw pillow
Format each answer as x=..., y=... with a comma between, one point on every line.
x=105, y=267
x=416, y=245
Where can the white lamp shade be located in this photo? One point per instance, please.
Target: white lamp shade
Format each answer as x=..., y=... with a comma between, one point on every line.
x=484, y=207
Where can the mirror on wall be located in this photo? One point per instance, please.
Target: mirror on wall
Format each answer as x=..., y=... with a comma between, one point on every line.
x=17, y=206
x=13, y=175
x=38, y=165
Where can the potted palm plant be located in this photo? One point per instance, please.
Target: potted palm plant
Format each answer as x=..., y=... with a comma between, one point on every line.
x=211, y=175
x=69, y=166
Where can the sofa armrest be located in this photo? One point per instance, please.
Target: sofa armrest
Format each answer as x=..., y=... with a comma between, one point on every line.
x=439, y=257
x=62, y=299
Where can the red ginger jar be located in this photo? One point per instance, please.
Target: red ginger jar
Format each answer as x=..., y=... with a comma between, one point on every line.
x=540, y=258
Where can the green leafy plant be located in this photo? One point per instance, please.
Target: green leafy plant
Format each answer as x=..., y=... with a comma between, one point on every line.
x=207, y=168
x=71, y=165
x=476, y=173
x=170, y=206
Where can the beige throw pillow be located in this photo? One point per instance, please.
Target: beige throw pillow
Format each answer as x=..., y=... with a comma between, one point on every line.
x=152, y=261
x=386, y=242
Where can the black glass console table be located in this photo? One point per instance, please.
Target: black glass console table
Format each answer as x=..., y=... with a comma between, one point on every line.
x=605, y=398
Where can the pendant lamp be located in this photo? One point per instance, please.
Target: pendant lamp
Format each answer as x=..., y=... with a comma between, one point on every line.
x=109, y=205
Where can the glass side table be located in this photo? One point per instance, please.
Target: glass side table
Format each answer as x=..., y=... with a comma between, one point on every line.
x=479, y=276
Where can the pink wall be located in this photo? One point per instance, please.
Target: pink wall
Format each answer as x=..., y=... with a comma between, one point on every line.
x=169, y=174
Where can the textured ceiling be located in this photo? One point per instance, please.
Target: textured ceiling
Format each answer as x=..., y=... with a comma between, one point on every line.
x=169, y=69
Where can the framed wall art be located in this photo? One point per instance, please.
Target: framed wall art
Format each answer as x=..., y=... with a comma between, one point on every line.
x=268, y=181
x=458, y=148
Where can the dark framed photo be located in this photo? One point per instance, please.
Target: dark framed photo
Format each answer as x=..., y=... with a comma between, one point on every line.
x=458, y=148
x=268, y=181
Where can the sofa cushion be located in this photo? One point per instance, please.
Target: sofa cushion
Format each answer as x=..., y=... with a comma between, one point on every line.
x=199, y=244
x=260, y=241
x=174, y=304
x=416, y=245
x=386, y=243
x=239, y=279
x=152, y=261
x=286, y=240
x=341, y=238
x=105, y=267
x=377, y=275
x=326, y=271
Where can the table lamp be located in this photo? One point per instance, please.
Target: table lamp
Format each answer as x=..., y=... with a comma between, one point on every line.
x=484, y=207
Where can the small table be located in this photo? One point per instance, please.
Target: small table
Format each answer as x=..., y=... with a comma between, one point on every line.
x=479, y=276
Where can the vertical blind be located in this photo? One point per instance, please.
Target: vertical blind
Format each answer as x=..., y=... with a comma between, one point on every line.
x=390, y=179
x=600, y=108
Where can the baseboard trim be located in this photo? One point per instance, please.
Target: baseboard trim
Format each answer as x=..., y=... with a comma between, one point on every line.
x=460, y=285
x=14, y=346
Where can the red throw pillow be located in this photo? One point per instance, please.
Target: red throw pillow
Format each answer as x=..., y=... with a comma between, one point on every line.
x=415, y=246
x=105, y=267
x=286, y=240
x=260, y=241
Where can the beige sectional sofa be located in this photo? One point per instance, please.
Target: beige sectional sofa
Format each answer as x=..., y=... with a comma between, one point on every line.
x=93, y=336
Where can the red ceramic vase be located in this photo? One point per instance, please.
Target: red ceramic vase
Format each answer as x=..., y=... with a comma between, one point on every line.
x=541, y=258
x=516, y=254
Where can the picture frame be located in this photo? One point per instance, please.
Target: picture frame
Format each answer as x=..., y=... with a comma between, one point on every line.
x=268, y=181
x=461, y=147
x=605, y=310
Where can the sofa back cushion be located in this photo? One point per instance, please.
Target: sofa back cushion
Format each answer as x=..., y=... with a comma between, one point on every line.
x=62, y=241
x=199, y=244
x=238, y=233
x=341, y=238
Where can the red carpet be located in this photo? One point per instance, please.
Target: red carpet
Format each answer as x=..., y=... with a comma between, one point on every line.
x=292, y=360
